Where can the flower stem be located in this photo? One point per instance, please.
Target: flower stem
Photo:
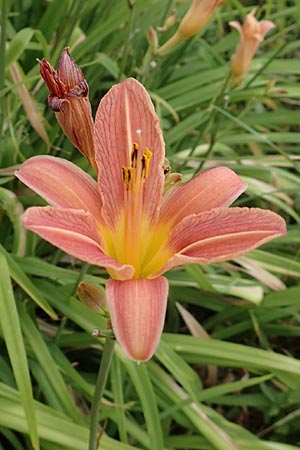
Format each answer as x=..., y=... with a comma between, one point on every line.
x=211, y=122
x=168, y=46
x=126, y=46
x=100, y=384
x=2, y=59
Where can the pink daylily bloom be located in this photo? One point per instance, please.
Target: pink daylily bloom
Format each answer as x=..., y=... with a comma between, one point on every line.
x=126, y=223
x=252, y=33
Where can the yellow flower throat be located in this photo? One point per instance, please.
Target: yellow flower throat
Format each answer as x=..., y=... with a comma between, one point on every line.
x=134, y=240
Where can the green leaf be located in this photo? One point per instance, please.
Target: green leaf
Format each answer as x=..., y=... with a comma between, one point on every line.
x=142, y=383
x=15, y=346
x=14, y=210
x=18, y=45
x=19, y=276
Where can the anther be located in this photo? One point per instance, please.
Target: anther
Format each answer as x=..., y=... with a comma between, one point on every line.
x=134, y=155
x=128, y=177
x=146, y=162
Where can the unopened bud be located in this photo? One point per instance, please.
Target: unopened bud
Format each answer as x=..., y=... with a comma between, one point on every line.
x=152, y=39
x=171, y=179
x=195, y=19
x=93, y=296
x=170, y=21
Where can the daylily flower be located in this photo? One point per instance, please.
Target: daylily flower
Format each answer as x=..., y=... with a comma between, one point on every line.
x=125, y=222
x=195, y=19
x=69, y=99
x=252, y=33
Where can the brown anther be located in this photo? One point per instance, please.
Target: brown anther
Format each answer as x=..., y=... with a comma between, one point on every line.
x=146, y=162
x=134, y=155
x=128, y=177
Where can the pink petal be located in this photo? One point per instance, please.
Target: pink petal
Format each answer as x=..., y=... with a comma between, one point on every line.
x=126, y=116
x=222, y=234
x=61, y=183
x=266, y=26
x=213, y=188
x=236, y=25
x=138, y=309
x=74, y=232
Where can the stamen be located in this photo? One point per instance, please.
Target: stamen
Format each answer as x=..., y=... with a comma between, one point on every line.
x=146, y=163
x=134, y=155
x=128, y=177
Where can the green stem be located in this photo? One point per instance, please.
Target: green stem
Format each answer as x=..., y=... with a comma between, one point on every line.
x=63, y=323
x=125, y=52
x=169, y=45
x=100, y=385
x=274, y=55
x=215, y=101
x=166, y=12
x=2, y=59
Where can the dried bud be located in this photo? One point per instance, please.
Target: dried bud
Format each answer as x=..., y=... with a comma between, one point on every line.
x=152, y=39
x=93, y=296
x=195, y=19
x=251, y=35
x=69, y=99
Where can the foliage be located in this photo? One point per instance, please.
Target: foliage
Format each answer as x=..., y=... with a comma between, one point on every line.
x=226, y=374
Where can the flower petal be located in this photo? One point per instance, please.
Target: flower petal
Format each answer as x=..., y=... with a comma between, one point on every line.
x=138, y=309
x=61, y=183
x=222, y=234
x=126, y=116
x=73, y=231
x=265, y=27
x=213, y=188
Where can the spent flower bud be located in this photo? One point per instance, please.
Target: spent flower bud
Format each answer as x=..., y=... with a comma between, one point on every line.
x=69, y=100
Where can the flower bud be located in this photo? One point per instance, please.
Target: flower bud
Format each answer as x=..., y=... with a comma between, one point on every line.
x=93, y=296
x=195, y=19
x=170, y=178
x=170, y=21
x=152, y=39
x=69, y=99
x=251, y=35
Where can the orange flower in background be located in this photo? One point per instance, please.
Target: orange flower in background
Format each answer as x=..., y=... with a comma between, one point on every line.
x=197, y=16
x=195, y=19
x=126, y=223
x=69, y=99
x=252, y=33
